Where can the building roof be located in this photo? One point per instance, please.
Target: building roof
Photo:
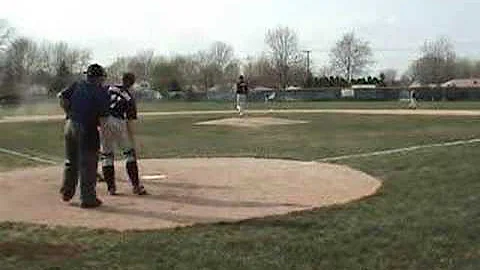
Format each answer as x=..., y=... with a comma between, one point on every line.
x=472, y=82
x=417, y=84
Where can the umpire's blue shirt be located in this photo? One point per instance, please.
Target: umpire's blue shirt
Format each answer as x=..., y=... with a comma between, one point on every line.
x=88, y=102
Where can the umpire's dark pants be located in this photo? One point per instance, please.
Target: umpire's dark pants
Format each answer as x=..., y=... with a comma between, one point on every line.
x=81, y=153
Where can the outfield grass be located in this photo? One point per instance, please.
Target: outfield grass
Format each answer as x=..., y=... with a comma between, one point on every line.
x=426, y=216
x=325, y=135
x=51, y=106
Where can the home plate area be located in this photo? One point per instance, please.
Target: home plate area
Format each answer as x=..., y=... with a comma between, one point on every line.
x=184, y=192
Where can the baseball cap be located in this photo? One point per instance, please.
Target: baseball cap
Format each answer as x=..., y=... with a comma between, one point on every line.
x=95, y=70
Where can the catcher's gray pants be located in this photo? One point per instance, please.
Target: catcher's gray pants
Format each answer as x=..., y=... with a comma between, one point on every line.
x=81, y=159
x=118, y=136
x=241, y=103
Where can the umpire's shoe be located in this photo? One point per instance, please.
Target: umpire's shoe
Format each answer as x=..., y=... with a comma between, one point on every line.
x=93, y=204
x=66, y=196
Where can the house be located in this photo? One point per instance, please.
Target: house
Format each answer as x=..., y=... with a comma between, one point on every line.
x=364, y=86
x=260, y=88
x=463, y=83
x=220, y=92
x=221, y=88
x=262, y=81
x=417, y=84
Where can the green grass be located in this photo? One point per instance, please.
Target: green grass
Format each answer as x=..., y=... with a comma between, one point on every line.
x=325, y=135
x=426, y=215
x=51, y=106
x=8, y=162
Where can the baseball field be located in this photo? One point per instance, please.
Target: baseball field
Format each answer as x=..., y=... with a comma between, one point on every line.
x=298, y=185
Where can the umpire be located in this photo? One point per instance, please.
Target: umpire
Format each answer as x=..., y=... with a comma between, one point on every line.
x=86, y=105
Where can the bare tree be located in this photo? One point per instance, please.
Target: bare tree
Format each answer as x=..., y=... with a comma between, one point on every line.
x=117, y=68
x=44, y=61
x=27, y=62
x=15, y=67
x=84, y=58
x=221, y=54
x=297, y=75
x=231, y=72
x=406, y=79
x=259, y=71
x=258, y=66
x=389, y=76
x=144, y=58
x=351, y=56
x=51, y=56
x=137, y=67
x=476, y=69
x=207, y=69
x=23, y=54
x=437, y=63
x=222, y=62
x=6, y=33
x=59, y=54
x=464, y=68
x=188, y=70
x=167, y=74
x=72, y=60
x=326, y=71
x=283, y=50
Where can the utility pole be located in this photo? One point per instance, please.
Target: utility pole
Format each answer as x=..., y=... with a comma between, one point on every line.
x=308, y=65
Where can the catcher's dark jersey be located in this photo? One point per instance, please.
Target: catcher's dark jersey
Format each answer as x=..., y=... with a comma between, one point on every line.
x=122, y=103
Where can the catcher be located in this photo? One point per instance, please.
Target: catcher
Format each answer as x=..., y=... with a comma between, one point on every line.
x=123, y=113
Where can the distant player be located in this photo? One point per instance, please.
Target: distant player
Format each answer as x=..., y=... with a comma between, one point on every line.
x=413, y=100
x=123, y=113
x=242, y=92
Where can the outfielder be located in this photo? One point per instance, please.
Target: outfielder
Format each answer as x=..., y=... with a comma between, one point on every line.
x=242, y=92
x=123, y=112
x=413, y=100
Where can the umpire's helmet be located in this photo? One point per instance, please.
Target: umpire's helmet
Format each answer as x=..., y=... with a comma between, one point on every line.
x=95, y=70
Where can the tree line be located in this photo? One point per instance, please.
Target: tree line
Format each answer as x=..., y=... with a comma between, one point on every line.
x=24, y=62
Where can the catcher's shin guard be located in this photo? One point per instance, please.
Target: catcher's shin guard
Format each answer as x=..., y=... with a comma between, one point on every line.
x=132, y=171
x=109, y=177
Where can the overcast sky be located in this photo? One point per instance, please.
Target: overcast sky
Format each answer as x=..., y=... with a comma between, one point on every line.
x=395, y=29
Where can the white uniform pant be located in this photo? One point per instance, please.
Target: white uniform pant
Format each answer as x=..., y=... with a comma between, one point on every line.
x=117, y=136
x=241, y=103
x=413, y=103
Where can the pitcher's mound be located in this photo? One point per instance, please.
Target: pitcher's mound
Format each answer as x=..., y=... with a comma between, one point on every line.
x=185, y=192
x=252, y=121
